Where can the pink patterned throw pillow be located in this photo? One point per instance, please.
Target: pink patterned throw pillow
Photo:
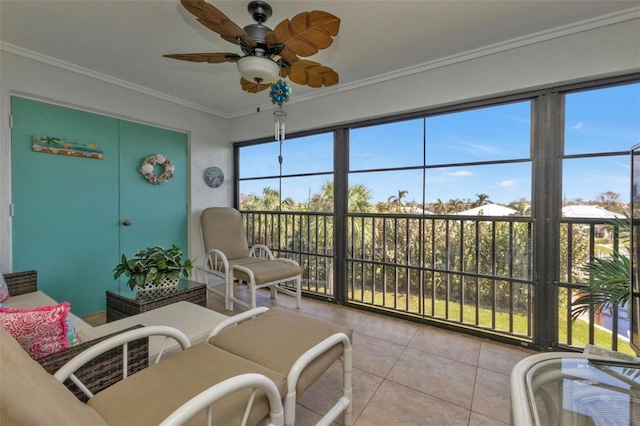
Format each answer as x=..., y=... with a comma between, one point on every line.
x=40, y=331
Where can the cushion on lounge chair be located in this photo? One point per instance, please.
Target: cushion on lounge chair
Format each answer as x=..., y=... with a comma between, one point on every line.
x=225, y=232
x=265, y=270
x=32, y=396
x=296, y=333
x=150, y=395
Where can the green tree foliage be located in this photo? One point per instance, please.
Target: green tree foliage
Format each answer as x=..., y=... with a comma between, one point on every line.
x=397, y=200
x=426, y=258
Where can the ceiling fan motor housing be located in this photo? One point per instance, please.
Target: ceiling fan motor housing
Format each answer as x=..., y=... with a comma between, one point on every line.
x=257, y=32
x=260, y=11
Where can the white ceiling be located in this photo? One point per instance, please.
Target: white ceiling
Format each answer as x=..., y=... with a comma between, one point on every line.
x=124, y=40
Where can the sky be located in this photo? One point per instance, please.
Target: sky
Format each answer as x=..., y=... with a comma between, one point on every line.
x=597, y=121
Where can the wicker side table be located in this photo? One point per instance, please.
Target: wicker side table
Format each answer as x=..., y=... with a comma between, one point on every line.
x=124, y=305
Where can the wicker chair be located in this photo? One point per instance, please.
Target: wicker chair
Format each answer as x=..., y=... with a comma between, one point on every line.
x=228, y=257
x=101, y=372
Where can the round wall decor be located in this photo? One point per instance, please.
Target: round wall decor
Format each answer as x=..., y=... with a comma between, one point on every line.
x=214, y=177
x=148, y=165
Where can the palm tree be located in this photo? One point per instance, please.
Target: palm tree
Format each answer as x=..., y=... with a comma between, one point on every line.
x=270, y=199
x=456, y=205
x=482, y=200
x=359, y=197
x=323, y=200
x=440, y=207
x=522, y=207
x=288, y=204
x=397, y=200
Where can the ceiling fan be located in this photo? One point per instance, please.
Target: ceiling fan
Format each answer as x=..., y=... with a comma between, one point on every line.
x=269, y=54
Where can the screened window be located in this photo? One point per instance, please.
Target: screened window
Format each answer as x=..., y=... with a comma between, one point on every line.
x=410, y=252
x=390, y=145
x=486, y=134
x=447, y=163
x=292, y=175
x=601, y=126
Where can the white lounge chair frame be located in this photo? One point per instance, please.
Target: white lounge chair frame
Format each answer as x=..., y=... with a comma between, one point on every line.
x=199, y=402
x=344, y=403
x=216, y=262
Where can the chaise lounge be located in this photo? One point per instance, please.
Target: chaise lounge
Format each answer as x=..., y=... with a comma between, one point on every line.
x=253, y=341
x=170, y=392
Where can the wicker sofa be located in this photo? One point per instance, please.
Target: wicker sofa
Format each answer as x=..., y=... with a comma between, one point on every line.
x=288, y=348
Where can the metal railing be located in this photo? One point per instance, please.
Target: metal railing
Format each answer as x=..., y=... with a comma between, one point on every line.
x=471, y=272
x=304, y=237
x=582, y=241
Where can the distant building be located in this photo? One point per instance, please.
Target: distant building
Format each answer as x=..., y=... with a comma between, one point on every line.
x=489, y=210
x=596, y=212
x=593, y=212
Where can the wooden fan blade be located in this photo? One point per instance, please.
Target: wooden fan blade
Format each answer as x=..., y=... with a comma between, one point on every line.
x=217, y=21
x=252, y=86
x=312, y=74
x=306, y=33
x=212, y=58
x=288, y=55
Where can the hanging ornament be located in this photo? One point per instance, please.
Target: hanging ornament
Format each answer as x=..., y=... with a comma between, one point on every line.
x=279, y=93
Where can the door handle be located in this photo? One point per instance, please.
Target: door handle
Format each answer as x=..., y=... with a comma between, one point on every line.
x=126, y=222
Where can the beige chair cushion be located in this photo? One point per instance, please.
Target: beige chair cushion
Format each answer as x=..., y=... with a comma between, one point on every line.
x=222, y=229
x=31, y=396
x=149, y=396
x=265, y=270
x=277, y=338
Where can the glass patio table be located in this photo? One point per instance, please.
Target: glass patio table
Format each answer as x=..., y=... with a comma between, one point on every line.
x=561, y=388
x=126, y=302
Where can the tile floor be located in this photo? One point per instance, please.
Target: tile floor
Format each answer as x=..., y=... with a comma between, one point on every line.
x=406, y=373
x=403, y=373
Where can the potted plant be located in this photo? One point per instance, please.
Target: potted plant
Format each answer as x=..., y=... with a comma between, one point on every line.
x=153, y=267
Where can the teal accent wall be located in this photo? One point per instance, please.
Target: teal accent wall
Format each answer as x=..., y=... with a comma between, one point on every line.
x=158, y=213
x=68, y=211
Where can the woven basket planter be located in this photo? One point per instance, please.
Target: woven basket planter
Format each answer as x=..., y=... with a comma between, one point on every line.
x=168, y=287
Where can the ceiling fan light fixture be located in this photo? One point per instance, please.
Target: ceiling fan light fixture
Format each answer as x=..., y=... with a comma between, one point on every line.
x=267, y=53
x=258, y=69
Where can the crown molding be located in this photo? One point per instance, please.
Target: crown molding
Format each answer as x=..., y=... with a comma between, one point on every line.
x=10, y=48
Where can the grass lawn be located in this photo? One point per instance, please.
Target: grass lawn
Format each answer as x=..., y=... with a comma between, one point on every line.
x=485, y=318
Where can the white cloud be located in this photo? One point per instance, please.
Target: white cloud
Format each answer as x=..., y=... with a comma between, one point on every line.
x=578, y=126
x=461, y=173
x=507, y=183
